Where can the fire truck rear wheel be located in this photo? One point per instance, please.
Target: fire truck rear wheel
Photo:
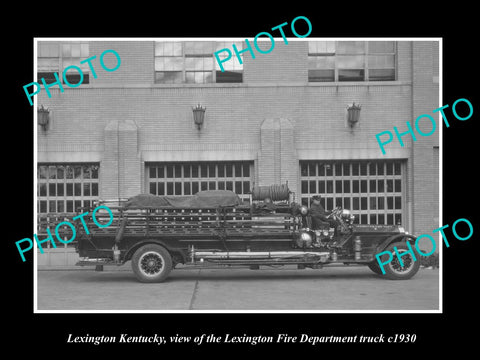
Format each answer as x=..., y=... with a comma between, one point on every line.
x=151, y=263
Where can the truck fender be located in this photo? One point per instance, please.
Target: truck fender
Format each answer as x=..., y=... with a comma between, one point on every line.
x=172, y=251
x=395, y=238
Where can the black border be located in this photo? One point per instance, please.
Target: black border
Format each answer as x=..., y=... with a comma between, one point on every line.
x=435, y=332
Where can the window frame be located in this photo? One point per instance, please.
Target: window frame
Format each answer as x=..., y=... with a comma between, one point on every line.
x=184, y=56
x=62, y=61
x=66, y=61
x=365, y=54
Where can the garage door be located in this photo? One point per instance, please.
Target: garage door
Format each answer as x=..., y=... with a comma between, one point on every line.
x=189, y=178
x=62, y=188
x=373, y=190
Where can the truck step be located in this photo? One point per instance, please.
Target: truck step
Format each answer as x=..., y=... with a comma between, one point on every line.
x=95, y=262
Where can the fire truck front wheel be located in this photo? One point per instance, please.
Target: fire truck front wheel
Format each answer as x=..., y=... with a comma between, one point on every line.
x=151, y=263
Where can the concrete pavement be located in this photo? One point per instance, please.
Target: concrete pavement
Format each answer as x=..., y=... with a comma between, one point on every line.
x=330, y=288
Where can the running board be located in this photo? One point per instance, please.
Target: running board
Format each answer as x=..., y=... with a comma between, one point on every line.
x=93, y=262
x=260, y=256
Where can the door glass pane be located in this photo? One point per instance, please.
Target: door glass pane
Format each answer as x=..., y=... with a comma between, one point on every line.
x=221, y=170
x=153, y=188
x=43, y=189
x=161, y=188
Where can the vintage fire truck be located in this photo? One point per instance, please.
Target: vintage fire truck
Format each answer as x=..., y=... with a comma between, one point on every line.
x=217, y=228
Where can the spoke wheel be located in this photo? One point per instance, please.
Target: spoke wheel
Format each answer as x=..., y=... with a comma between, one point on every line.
x=405, y=266
x=402, y=269
x=151, y=263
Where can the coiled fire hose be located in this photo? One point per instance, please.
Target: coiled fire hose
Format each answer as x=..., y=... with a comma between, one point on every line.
x=276, y=192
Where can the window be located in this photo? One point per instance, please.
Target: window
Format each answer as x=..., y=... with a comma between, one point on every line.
x=350, y=60
x=233, y=70
x=321, y=61
x=193, y=62
x=198, y=62
x=372, y=190
x=330, y=61
x=381, y=60
x=62, y=188
x=48, y=61
x=168, y=62
x=72, y=54
x=189, y=178
x=55, y=57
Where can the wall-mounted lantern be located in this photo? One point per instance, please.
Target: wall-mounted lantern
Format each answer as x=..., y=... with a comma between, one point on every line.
x=353, y=114
x=43, y=117
x=198, y=115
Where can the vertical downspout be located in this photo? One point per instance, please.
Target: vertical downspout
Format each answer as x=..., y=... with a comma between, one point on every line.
x=118, y=162
x=410, y=166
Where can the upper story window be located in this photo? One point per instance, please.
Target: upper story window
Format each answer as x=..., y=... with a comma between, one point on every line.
x=233, y=70
x=168, y=62
x=48, y=61
x=198, y=62
x=381, y=60
x=72, y=54
x=330, y=61
x=193, y=62
x=55, y=57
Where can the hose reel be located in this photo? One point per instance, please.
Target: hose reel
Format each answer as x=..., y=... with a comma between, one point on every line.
x=275, y=192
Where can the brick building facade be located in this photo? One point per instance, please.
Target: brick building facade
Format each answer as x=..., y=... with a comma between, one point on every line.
x=279, y=117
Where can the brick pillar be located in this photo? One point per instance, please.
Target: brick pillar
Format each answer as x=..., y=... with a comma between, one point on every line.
x=289, y=166
x=130, y=164
x=121, y=166
x=109, y=176
x=277, y=158
x=425, y=171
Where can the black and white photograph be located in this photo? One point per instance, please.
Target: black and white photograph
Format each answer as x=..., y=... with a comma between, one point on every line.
x=233, y=172
x=241, y=183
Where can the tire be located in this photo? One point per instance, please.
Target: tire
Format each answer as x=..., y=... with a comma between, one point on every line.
x=151, y=263
x=375, y=267
x=394, y=270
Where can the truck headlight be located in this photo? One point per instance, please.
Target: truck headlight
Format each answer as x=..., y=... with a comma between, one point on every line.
x=306, y=237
